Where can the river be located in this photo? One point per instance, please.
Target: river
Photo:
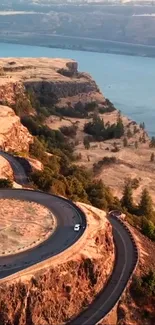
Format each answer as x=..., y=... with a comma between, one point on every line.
x=128, y=81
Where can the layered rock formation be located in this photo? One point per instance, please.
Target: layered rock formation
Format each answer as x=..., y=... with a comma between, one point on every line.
x=13, y=135
x=58, y=289
x=50, y=79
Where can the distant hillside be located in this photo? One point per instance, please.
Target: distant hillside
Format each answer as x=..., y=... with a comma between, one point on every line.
x=78, y=26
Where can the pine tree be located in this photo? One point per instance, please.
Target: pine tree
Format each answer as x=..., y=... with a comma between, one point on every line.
x=148, y=228
x=136, y=145
x=144, y=138
x=125, y=142
x=119, y=114
x=152, y=142
x=86, y=143
x=119, y=131
x=142, y=126
x=146, y=205
x=127, y=198
x=129, y=134
x=135, y=129
x=152, y=157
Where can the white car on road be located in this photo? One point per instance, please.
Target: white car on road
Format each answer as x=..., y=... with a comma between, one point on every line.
x=77, y=227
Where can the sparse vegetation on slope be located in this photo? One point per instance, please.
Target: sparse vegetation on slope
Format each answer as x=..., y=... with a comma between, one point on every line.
x=60, y=175
x=143, y=292
x=101, y=132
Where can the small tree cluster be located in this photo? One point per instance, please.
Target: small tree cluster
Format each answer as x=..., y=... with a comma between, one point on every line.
x=143, y=210
x=101, y=132
x=144, y=286
x=142, y=126
x=69, y=131
x=145, y=207
x=133, y=182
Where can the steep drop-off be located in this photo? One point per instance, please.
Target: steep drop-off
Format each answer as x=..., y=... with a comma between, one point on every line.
x=50, y=79
x=60, y=288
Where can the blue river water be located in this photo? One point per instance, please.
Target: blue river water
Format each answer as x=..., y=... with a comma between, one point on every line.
x=128, y=81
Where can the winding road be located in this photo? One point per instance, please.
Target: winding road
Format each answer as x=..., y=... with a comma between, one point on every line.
x=19, y=173
x=67, y=215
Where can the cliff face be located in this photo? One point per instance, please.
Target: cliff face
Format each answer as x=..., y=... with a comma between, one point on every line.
x=10, y=90
x=65, y=286
x=13, y=135
x=50, y=79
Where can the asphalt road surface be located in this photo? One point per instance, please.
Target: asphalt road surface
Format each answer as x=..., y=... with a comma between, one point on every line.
x=64, y=236
x=20, y=176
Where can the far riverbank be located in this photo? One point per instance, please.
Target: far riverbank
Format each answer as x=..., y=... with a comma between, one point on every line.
x=128, y=81
x=81, y=44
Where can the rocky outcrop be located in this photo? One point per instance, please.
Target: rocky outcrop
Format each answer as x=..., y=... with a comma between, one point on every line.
x=5, y=169
x=9, y=91
x=58, y=289
x=50, y=79
x=13, y=135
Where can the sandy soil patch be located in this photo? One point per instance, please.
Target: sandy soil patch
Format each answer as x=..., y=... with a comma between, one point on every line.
x=131, y=163
x=23, y=225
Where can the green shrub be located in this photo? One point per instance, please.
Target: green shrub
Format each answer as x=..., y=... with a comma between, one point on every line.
x=106, y=161
x=6, y=183
x=69, y=131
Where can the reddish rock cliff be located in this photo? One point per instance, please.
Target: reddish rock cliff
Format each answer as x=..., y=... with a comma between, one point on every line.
x=13, y=135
